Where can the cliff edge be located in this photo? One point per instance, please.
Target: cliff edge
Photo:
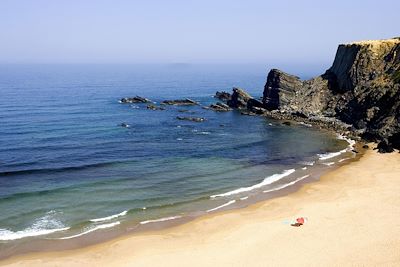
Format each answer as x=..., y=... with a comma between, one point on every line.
x=362, y=88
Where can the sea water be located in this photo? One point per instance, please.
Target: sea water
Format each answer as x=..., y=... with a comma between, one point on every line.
x=69, y=169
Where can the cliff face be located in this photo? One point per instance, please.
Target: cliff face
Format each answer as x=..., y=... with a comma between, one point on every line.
x=362, y=88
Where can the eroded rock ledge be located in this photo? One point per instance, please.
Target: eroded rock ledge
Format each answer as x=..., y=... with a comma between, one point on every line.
x=362, y=88
x=359, y=94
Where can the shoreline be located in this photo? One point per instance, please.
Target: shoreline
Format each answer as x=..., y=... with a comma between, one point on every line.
x=263, y=224
x=127, y=228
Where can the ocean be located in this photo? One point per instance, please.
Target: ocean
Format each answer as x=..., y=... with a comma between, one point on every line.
x=69, y=170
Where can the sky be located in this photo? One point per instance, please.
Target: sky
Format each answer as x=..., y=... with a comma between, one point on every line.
x=279, y=32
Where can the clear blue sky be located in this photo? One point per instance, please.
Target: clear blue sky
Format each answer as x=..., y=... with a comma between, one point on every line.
x=205, y=31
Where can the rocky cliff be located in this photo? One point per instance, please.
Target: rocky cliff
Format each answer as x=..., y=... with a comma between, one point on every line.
x=362, y=88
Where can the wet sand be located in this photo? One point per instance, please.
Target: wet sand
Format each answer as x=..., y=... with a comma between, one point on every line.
x=353, y=220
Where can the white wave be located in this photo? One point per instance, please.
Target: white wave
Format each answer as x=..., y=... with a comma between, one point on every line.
x=326, y=156
x=329, y=163
x=269, y=180
x=204, y=132
x=308, y=163
x=161, y=220
x=47, y=224
x=286, y=185
x=244, y=198
x=110, y=217
x=10, y=235
x=341, y=160
x=304, y=168
x=351, y=142
x=305, y=124
x=179, y=139
x=223, y=205
x=348, y=140
x=102, y=226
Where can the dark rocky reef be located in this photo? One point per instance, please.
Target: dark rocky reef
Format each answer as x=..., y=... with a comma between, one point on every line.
x=136, y=99
x=220, y=107
x=180, y=102
x=154, y=107
x=194, y=119
x=239, y=98
x=361, y=89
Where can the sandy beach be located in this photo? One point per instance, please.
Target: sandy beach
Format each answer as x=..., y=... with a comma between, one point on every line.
x=353, y=220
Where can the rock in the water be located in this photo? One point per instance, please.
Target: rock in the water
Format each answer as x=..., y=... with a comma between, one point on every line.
x=224, y=96
x=362, y=89
x=247, y=113
x=239, y=98
x=136, y=99
x=195, y=119
x=181, y=102
x=154, y=107
x=221, y=107
x=125, y=125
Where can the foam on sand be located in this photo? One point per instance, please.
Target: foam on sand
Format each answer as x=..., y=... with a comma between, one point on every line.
x=286, y=185
x=101, y=226
x=161, y=220
x=110, y=217
x=222, y=206
x=268, y=180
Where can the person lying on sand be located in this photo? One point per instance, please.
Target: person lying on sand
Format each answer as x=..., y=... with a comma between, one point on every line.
x=299, y=222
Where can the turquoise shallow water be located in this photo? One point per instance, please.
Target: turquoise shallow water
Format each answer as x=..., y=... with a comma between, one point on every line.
x=67, y=167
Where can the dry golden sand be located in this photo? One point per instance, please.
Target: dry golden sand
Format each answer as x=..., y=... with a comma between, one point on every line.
x=354, y=220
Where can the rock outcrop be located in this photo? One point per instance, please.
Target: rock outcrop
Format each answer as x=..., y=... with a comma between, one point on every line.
x=136, y=99
x=180, y=102
x=239, y=98
x=220, y=107
x=154, y=107
x=362, y=88
x=194, y=119
x=224, y=96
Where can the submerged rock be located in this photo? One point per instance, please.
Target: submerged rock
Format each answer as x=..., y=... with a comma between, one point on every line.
x=125, y=125
x=180, y=102
x=194, y=119
x=154, y=107
x=136, y=99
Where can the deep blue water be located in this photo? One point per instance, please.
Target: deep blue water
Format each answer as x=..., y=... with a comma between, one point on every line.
x=66, y=160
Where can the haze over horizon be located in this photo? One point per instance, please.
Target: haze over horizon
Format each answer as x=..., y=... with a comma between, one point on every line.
x=133, y=32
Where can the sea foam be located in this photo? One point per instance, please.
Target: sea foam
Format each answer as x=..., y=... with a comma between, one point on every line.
x=161, y=219
x=223, y=205
x=30, y=232
x=47, y=224
x=110, y=217
x=286, y=185
x=102, y=226
x=269, y=180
